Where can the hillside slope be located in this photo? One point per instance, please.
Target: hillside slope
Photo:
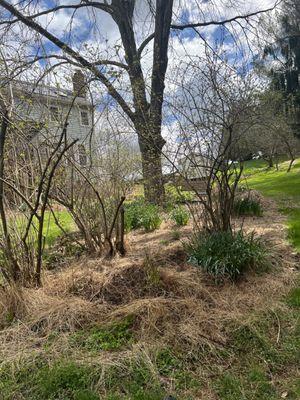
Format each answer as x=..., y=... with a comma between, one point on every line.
x=283, y=187
x=150, y=325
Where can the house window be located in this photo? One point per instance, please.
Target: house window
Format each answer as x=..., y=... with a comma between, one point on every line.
x=84, y=116
x=82, y=155
x=54, y=113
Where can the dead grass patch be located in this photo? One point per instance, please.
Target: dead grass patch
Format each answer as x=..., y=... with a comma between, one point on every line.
x=173, y=304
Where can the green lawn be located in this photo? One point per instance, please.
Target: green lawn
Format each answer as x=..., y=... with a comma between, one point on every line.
x=51, y=230
x=282, y=186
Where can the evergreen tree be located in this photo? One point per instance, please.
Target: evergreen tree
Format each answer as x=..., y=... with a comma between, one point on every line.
x=286, y=77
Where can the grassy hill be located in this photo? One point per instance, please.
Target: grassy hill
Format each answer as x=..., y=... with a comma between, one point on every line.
x=282, y=186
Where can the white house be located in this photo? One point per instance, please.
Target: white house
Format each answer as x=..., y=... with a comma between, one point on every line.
x=43, y=111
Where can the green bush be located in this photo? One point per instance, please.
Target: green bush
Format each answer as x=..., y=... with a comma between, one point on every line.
x=226, y=255
x=151, y=219
x=133, y=214
x=139, y=214
x=247, y=206
x=180, y=216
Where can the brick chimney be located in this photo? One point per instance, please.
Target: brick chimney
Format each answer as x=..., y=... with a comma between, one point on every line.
x=79, y=84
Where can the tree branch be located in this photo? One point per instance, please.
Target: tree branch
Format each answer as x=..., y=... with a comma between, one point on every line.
x=104, y=7
x=225, y=21
x=74, y=54
x=144, y=44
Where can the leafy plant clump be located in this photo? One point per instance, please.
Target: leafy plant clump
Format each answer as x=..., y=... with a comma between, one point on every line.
x=133, y=213
x=175, y=195
x=139, y=214
x=226, y=255
x=109, y=338
x=151, y=218
x=247, y=207
x=180, y=216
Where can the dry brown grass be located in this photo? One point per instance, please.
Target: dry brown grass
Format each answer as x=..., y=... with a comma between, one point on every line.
x=173, y=303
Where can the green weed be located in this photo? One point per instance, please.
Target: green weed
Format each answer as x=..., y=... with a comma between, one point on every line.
x=247, y=207
x=108, y=338
x=180, y=216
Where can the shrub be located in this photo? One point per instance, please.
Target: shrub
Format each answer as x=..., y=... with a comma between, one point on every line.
x=139, y=214
x=180, y=216
x=247, y=206
x=133, y=214
x=151, y=219
x=175, y=195
x=226, y=255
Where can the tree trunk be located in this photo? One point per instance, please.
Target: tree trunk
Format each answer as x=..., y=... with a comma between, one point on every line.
x=153, y=176
x=151, y=144
x=290, y=164
x=14, y=273
x=270, y=162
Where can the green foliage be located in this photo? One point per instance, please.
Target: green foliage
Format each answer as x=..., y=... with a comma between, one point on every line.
x=227, y=255
x=139, y=214
x=167, y=362
x=175, y=195
x=276, y=184
x=229, y=387
x=151, y=219
x=173, y=366
x=133, y=213
x=247, y=207
x=50, y=231
x=252, y=340
x=111, y=337
x=180, y=216
x=256, y=351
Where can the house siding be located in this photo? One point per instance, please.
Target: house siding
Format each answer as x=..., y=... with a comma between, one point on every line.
x=36, y=108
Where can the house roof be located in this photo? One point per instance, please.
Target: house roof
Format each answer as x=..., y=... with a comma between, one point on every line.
x=45, y=91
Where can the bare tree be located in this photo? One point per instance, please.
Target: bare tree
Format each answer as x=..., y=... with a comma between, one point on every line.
x=145, y=109
x=212, y=116
x=24, y=199
x=273, y=135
